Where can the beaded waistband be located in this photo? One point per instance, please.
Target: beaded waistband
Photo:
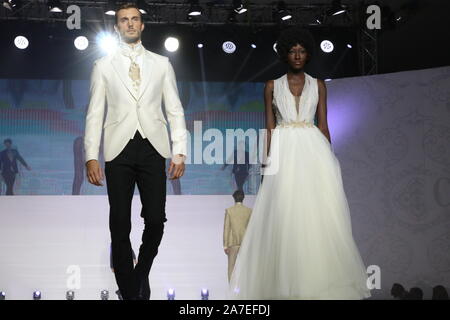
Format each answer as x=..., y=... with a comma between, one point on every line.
x=296, y=124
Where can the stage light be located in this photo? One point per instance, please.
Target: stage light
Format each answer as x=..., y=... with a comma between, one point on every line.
x=205, y=294
x=171, y=294
x=54, y=6
x=2, y=295
x=200, y=45
x=327, y=80
x=104, y=295
x=37, y=295
x=81, y=43
x=171, y=44
x=253, y=46
x=107, y=42
x=21, y=42
x=143, y=6
x=349, y=46
x=336, y=8
x=110, y=8
x=12, y=4
x=238, y=7
x=275, y=47
x=283, y=13
x=195, y=9
x=228, y=47
x=327, y=46
x=70, y=295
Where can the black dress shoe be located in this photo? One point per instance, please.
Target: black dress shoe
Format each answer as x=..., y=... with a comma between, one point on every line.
x=143, y=290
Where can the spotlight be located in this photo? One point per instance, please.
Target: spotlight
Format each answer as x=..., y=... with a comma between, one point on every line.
x=54, y=6
x=349, y=46
x=238, y=7
x=70, y=295
x=336, y=8
x=205, y=294
x=110, y=8
x=200, y=45
x=229, y=47
x=283, y=13
x=107, y=42
x=171, y=44
x=81, y=43
x=12, y=4
x=2, y=295
x=21, y=42
x=327, y=46
x=327, y=80
x=195, y=9
x=104, y=295
x=275, y=47
x=171, y=294
x=37, y=295
x=253, y=46
x=143, y=6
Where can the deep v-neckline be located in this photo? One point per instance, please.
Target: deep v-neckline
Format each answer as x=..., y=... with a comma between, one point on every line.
x=297, y=112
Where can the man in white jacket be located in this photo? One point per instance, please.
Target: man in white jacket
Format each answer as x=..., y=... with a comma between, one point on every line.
x=133, y=82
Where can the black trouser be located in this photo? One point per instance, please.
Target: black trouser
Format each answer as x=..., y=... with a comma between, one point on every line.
x=10, y=178
x=138, y=163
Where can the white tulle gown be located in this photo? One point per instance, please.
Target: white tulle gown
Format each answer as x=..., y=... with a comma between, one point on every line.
x=299, y=243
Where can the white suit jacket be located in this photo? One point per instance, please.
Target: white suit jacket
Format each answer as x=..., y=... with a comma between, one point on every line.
x=111, y=86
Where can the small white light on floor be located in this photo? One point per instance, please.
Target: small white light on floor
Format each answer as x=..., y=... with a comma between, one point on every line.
x=104, y=295
x=171, y=294
x=37, y=295
x=349, y=46
x=200, y=45
x=70, y=295
x=205, y=294
x=253, y=46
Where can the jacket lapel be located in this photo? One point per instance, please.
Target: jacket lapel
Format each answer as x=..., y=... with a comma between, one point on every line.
x=122, y=73
x=147, y=67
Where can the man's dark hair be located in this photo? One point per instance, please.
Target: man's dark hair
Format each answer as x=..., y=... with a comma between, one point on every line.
x=238, y=195
x=439, y=293
x=7, y=141
x=290, y=38
x=127, y=5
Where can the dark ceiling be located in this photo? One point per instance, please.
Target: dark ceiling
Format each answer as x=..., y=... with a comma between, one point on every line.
x=418, y=41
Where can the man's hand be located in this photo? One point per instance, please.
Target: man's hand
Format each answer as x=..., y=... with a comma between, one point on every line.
x=227, y=251
x=94, y=173
x=176, y=167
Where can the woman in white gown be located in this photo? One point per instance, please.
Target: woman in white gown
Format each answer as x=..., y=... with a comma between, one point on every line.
x=299, y=243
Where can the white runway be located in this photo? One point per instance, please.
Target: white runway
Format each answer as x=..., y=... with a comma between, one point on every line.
x=41, y=236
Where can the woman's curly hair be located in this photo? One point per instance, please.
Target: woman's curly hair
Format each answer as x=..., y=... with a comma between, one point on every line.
x=290, y=38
